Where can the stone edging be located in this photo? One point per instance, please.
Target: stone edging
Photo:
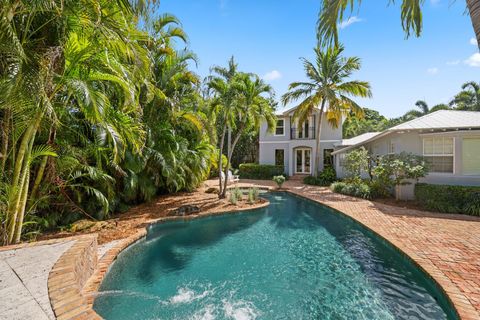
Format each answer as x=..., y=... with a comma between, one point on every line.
x=462, y=306
x=68, y=277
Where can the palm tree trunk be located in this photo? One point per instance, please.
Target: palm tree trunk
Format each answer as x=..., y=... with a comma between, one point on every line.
x=474, y=9
x=229, y=157
x=42, y=166
x=317, y=139
x=5, y=139
x=17, y=180
x=220, y=154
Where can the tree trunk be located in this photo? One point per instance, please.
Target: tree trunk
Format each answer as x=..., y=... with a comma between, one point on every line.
x=317, y=139
x=229, y=157
x=5, y=139
x=474, y=10
x=42, y=166
x=220, y=153
x=18, y=179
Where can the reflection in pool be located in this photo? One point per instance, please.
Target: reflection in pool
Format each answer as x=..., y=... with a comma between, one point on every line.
x=294, y=259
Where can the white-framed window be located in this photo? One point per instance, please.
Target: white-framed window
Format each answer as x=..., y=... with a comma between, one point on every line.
x=471, y=156
x=438, y=152
x=280, y=128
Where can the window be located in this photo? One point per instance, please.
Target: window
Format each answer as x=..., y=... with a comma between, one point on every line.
x=471, y=156
x=279, y=157
x=280, y=129
x=327, y=158
x=438, y=152
x=392, y=147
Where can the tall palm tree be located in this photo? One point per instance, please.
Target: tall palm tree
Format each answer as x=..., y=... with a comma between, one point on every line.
x=468, y=98
x=223, y=84
x=333, y=12
x=250, y=109
x=327, y=85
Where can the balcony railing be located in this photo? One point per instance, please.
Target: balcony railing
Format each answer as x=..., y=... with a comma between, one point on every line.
x=302, y=134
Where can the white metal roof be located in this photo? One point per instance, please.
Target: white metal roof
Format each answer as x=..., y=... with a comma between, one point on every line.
x=358, y=139
x=442, y=119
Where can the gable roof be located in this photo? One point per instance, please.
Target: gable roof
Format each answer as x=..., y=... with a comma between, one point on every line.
x=438, y=120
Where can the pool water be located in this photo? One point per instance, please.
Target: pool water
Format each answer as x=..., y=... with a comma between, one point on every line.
x=294, y=259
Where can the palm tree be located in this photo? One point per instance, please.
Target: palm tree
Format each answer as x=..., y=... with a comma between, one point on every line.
x=223, y=85
x=87, y=67
x=327, y=86
x=248, y=112
x=424, y=110
x=333, y=12
x=468, y=98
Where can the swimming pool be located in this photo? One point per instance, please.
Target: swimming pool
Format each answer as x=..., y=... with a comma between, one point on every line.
x=294, y=259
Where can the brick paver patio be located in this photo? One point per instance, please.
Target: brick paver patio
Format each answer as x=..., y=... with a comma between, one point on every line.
x=446, y=246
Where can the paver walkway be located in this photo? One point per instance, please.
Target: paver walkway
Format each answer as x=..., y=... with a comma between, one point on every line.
x=23, y=281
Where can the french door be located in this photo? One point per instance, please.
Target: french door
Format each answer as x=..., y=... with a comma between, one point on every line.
x=303, y=161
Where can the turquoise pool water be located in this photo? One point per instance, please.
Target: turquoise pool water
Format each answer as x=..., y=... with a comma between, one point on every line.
x=294, y=259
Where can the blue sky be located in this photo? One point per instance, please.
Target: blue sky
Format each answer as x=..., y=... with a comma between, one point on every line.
x=268, y=37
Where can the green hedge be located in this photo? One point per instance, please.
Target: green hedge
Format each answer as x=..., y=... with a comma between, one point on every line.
x=260, y=171
x=449, y=199
x=360, y=189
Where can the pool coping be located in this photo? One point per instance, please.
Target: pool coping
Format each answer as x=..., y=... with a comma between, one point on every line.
x=463, y=308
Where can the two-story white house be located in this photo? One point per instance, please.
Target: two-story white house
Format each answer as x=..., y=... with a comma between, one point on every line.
x=293, y=144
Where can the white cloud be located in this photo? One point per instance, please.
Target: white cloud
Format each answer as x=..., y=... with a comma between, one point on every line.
x=349, y=22
x=474, y=60
x=432, y=71
x=453, y=62
x=272, y=75
x=473, y=42
x=435, y=2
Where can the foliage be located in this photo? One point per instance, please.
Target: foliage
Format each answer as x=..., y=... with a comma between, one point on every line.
x=449, y=199
x=357, y=189
x=325, y=178
x=334, y=12
x=239, y=104
x=279, y=180
x=96, y=114
x=236, y=195
x=468, y=98
x=355, y=162
x=328, y=84
x=253, y=195
x=400, y=167
x=260, y=171
x=372, y=121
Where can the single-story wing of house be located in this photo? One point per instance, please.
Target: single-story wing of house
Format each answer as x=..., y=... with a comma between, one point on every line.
x=448, y=139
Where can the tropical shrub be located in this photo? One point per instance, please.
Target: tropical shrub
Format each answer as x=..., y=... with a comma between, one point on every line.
x=253, y=195
x=356, y=161
x=449, y=199
x=279, y=180
x=260, y=171
x=361, y=189
x=236, y=195
x=325, y=178
x=396, y=170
